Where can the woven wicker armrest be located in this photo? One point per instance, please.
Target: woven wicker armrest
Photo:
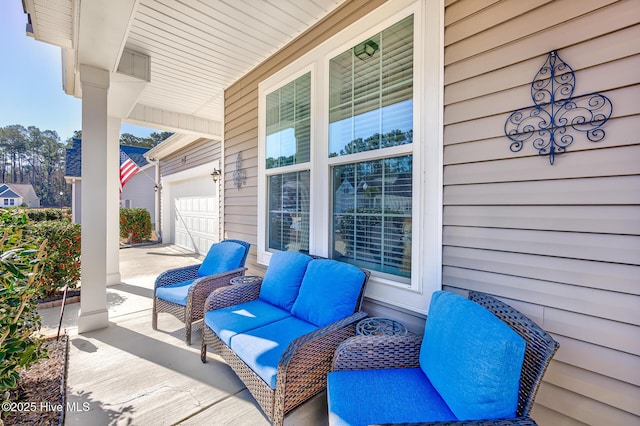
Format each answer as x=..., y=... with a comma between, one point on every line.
x=378, y=352
x=303, y=368
x=177, y=275
x=232, y=295
x=204, y=286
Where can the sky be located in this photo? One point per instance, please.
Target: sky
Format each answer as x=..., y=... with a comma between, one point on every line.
x=31, y=81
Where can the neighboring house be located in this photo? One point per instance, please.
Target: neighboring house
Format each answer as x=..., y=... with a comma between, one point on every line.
x=189, y=201
x=322, y=150
x=137, y=193
x=15, y=195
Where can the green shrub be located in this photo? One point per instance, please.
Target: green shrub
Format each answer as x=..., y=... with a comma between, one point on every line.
x=40, y=215
x=61, y=263
x=20, y=346
x=135, y=223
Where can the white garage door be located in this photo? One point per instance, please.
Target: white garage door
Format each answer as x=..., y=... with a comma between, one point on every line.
x=194, y=213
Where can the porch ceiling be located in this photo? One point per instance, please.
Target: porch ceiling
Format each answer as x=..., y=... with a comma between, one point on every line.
x=196, y=48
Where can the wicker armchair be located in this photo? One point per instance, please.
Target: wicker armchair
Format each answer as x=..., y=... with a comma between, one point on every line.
x=399, y=352
x=302, y=368
x=195, y=286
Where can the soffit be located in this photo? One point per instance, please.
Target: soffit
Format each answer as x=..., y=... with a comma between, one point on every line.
x=197, y=48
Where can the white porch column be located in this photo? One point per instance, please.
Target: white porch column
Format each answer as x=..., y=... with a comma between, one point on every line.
x=113, y=201
x=93, y=303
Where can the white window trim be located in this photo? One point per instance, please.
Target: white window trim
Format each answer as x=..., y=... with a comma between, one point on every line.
x=428, y=122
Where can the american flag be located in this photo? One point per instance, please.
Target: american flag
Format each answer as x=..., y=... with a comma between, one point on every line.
x=127, y=169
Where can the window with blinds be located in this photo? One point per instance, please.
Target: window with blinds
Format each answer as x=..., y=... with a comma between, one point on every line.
x=372, y=214
x=371, y=97
x=288, y=145
x=288, y=114
x=371, y=109
x=288, y=226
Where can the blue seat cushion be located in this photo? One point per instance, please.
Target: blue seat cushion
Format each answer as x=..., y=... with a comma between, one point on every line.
x=222, y=257
x=228, y=322
x=364, y=397
x=175, y=293
x=262, y=348
x=472, y=358
x=282, y=280
x=329, y=292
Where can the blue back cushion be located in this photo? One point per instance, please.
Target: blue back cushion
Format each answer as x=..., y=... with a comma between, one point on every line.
x=472, y=358
x=329, y=292
x=282, y=280
x=222, y=257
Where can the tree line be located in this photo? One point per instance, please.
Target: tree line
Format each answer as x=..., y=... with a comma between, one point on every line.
x=29, y=155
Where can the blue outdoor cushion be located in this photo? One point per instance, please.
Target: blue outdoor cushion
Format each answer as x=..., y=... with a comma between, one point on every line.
x=364, y=397
x=175, y=293
x=329, y=292
x=472, y=358
x=282, y=280
x=227, y=322
x=222, y=257
x=262, y=348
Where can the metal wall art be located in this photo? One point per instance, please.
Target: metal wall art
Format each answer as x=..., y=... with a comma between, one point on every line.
x=556, y=112
x=239, y=175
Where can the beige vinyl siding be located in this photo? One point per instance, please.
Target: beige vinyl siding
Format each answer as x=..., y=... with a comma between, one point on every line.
x=202, y=151
x=241, y=124
x=562, y=242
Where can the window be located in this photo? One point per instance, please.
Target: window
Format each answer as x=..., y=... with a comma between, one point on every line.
x=6, y=201
x=288, y=147
x=350, y=152
x=370, y=109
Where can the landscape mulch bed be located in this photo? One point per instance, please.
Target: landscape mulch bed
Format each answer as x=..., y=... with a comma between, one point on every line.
x=39, y=398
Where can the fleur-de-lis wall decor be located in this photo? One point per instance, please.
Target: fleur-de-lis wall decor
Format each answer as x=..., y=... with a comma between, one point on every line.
x=239, y=175
x=556, y=112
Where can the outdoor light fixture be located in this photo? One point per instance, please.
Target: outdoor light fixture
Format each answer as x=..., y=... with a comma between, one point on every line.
x=366, y=49
x=215, y=174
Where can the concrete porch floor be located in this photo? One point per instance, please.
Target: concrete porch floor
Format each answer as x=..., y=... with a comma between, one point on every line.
x=129, y=374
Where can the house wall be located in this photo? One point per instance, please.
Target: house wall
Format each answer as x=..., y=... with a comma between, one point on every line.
x=139, y=190
x=241, y=124
x=198, y=153
x=558, y=242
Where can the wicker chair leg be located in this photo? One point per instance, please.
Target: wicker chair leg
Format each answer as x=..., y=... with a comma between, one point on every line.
x=203, y=346
x=187, y=332
x=203, y=353
x=154, y=316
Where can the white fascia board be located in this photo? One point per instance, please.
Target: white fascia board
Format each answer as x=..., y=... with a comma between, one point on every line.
x=145, y=115
x=170, y=145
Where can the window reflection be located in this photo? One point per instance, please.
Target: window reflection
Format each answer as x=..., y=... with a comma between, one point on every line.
x=289, y=212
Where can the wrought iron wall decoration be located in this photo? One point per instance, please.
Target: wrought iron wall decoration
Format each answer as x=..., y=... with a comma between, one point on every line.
x=239, y=175
x=557, y=111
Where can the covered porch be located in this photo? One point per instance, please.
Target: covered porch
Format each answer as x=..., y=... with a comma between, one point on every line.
x=468, y=209
x=130, y=374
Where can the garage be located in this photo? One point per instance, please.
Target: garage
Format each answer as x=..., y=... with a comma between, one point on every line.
x=191, y=210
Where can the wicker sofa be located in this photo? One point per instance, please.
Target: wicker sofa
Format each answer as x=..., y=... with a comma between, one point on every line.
x=279, y=335
x=181, y=292
x=480, y=362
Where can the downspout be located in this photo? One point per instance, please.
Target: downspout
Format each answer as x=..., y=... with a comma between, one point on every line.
x=158, y=192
